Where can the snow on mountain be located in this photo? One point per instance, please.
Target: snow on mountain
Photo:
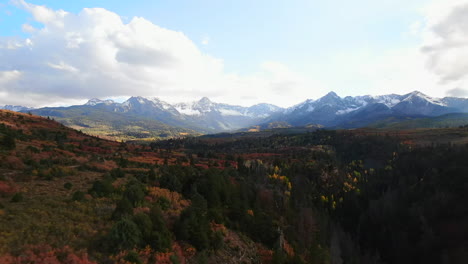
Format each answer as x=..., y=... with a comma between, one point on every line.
x=96, y=101
x=161, y=104
x=307, y=102
x=229, y=112
x=389, y=100
x=202, y=114
x=331, y=103
x=204, y=106
x=16, y=108
x=418, y=96
x=346, y=111
x=329, y=110
x=196, y=108
x=330, y=98
x=262, y=110
x=185, y=109
x=350, y=104
x=145, y=106
x=417, y=103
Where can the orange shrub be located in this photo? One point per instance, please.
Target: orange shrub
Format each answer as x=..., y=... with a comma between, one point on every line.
x=14, y=163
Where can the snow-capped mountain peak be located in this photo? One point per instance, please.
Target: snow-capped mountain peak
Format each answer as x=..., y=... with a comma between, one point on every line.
x=204, y=105
x=16, y=108
x=389, y=100
x=331, y=94
x=135, y=100
x=164, y=105
x=332, y=109
x=329, y=98
x=416, y=95
x=204, y=101
x=329, y=110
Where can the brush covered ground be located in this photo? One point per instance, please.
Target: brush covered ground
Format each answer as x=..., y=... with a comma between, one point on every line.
x=350, y=196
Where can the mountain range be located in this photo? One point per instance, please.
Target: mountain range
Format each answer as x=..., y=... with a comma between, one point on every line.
x=16, y=108
x=140, y=117
x=352, y=112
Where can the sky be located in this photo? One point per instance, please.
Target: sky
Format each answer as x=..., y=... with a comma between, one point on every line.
x=242, y=52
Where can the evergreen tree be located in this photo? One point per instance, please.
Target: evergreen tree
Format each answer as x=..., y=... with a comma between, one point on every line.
x=125, y=234
x=160, y=238
x=135, y=192
x=123, y=208
x=193, y=224
x=8, y=141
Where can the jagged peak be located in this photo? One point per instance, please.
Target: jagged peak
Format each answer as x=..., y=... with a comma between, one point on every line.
x=16, y=108
x=96, y=101
x=417, y=93
x=204, y=103
x=92, y=101
x=331, y=94
x=329, y=98
x=138, y=97
x=135, y=99
x=205, y=100
x=420, y=96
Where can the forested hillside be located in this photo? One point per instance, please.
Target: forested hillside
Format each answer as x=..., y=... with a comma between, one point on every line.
x=349, y=196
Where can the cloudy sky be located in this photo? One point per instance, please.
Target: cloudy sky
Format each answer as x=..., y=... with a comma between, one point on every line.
x=56, y=52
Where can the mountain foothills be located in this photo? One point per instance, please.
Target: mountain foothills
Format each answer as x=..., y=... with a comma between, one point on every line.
x=141, y=118
x=290, y=195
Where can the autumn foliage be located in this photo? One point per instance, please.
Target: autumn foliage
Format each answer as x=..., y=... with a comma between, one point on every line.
x=44, y=254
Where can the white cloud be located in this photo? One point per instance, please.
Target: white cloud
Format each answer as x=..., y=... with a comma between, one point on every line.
x=95, y=54
x=63, y=67
x=446, y=43
x=28, y=28
x=7, y=77
x=42, y=13
x=205, y=40
x=436, y=63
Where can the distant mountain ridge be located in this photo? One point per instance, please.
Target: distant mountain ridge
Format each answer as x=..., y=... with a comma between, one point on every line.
x=205, y=116
x=349, y=112
x=16, y=108
x=140, y=118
